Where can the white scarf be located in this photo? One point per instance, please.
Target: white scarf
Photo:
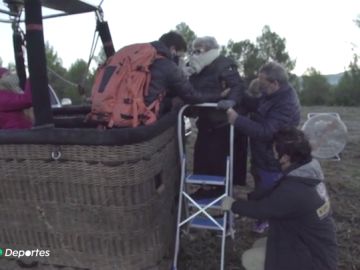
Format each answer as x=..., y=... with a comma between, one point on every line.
x=199, y=61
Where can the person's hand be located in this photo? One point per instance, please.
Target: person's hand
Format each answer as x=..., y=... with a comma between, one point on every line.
x=226, y=104
x=232, y=115
x=225, y=93
x=188, y=71
x=227, y=203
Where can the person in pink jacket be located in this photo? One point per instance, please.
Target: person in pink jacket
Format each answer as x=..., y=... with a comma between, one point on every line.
x=13, y=102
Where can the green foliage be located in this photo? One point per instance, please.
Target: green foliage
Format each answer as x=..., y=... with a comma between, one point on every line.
x=247, y=56
x=269, y=46
x=273, y=48
x=347, y=92
x=295, y=81
x=223, y=50
x=186, y=32
x=315, y=89
x=101, y=57
x=66, y=82
x=79, y=75
x=250, y=56
x=56, y=71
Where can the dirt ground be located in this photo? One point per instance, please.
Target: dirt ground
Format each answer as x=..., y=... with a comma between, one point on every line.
x=200, y=250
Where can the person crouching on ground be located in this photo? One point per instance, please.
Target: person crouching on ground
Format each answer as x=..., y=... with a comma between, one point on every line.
x=301, y=230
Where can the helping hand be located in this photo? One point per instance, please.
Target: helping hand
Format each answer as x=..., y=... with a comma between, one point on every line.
x=232, y=115
x=226, y=104
x=225, y=93
x=227, y=203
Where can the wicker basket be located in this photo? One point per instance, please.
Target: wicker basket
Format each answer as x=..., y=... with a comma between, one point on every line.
x=93, y=206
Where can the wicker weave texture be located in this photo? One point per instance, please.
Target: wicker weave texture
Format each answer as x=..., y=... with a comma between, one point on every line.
x=96, y=207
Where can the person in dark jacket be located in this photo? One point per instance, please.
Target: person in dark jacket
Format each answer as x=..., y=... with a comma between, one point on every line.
x=168, y=79
x=301, y=232
x=14, y=102
x=278, y=108
x=210, y=72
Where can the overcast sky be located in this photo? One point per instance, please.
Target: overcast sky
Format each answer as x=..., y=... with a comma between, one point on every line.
x=318, y=33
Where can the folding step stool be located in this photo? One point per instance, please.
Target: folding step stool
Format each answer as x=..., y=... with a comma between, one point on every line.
x=225, y=223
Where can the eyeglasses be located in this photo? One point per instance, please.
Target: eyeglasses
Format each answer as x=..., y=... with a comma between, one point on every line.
x=198, y=51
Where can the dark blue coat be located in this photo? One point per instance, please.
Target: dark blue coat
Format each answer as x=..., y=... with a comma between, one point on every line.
x=221, y=74
x=301, y=230
x=212, y=142
x=273, y=112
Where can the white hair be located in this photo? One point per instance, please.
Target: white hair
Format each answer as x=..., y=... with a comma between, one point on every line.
x=208, y=43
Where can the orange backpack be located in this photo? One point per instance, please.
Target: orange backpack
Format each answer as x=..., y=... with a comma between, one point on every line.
x=120, y=87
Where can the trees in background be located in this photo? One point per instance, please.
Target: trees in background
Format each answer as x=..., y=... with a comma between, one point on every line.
x=82, y=80
x=347, y=92
x=188, y=34
x=269, y=46
x=273, y=48
x=313, y=87
x=247, y=55
x=316, y=90
x=56, y=71
x=73, y=83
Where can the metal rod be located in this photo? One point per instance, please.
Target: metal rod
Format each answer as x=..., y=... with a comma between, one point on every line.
x=177, y=237
x=37, y=63
x=18, y=43
x=8, y=12
x=106, y=39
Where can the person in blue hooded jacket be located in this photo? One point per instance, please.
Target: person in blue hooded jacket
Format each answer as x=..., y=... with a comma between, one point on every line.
x=301, y=229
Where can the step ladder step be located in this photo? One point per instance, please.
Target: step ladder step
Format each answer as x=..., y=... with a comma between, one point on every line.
x=205, y=179
x=201, y=222
x=205, y=201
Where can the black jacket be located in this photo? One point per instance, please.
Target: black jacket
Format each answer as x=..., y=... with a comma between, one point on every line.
x=167, y=78
x=274, y=112
x=221, y=74
x=301, y=230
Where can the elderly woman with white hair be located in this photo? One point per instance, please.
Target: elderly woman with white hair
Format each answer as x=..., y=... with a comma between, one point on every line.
x=14, y=102
x=211, y=72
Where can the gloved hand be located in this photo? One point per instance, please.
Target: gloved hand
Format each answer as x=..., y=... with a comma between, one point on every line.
x=232, y=115
x=226, y=104
x=225, y=92
x=227, y=203
x=188, y=71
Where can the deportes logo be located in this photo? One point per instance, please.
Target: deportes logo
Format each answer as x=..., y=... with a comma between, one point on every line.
x=8, y=252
